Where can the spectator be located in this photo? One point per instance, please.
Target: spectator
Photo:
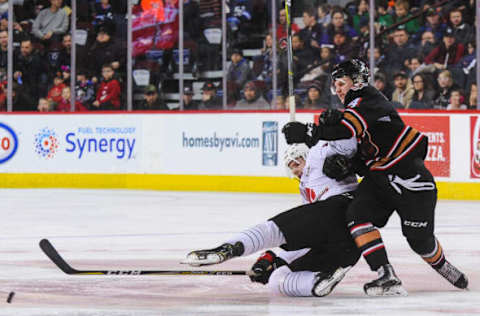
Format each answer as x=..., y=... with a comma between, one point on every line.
x=108, y=94
x=448, y=53
x=461, y=30
x=252, y=99
x=51, y=23
x=456, y=101
x=384, y=19
x=424, y=94
x=338, y=24
x=312, y=32
x=21, y=101
x=468, y=62
x=434, y=24
x=64, y=104
x=239, y=71
x=3, y=6
x=446, y=85
x=282, y=29
x=402, y=8
x=103, y=12
x=344, y=48
x=263, y=64
x=303, y=57
x=30, y=70
x=315, y=97
x=403, y=92
x=381, y=83
x=64, y=54
x=416, y=66
x=151, y=100
x=210, y=100
x=44, y=105
x=327, y=58
x=55, y=93
x=361, y=15
x=279, y=103
x=399, y=52
x=427, y=44
x=85, y=90
x=472, y=100
x=105, y=50
x=323, y=12
x=3, y=51
x=188, y=102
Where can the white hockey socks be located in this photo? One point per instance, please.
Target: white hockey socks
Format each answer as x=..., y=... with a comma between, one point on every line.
x=262, y=236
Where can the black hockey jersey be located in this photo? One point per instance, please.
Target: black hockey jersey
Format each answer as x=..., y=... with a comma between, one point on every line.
x=383, y=137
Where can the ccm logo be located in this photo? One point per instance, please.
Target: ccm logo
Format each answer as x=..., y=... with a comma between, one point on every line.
x=415, y=224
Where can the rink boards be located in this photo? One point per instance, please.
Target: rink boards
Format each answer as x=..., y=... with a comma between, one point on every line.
x=206, y=151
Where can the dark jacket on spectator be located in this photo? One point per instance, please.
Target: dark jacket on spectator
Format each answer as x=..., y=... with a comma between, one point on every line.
x=396, y=56
x=33, y=71
x=463, y=33
x=104, y=53
x=443, y=99
x=426, y=102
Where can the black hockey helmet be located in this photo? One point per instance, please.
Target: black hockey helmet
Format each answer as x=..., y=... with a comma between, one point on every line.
x=353, y=68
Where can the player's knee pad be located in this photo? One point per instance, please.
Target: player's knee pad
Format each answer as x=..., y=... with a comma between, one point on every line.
x=422, y=246
x=277, y=278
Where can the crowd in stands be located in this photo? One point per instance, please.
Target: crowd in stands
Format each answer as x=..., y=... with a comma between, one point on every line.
x=425, y=53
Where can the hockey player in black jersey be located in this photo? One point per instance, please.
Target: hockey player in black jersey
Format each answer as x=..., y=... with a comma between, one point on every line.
x=391, y=155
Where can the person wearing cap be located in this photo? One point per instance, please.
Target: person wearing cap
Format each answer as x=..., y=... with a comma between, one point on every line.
x=51, y=22
x=188, y=102
x=433, y=24
x=210, y=100
x=151, y=100
x=315, y=97
x=252, y=99
x=403, y=92
x=381, y=84
x=447, y=53
x=105, y=50
x=239, y=71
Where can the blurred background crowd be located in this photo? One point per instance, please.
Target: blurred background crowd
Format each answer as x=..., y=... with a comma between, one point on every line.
x=425, y=53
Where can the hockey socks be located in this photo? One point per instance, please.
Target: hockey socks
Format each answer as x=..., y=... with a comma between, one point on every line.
x=436, y=259
x=259, y=237
x=369, y=241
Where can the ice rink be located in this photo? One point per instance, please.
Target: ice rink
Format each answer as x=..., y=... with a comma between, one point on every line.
x=107, y=229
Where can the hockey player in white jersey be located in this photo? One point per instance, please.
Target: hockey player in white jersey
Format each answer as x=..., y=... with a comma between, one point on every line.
x=317, y=247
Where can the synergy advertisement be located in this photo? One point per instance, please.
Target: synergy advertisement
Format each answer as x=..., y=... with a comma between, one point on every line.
x=73, y=143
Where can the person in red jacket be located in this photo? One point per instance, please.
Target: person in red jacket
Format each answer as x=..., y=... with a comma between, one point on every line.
x=448, y=53
x=108, y=94
x=64, y=104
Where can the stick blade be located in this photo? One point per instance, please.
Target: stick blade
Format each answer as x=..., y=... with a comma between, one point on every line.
x=55, y=257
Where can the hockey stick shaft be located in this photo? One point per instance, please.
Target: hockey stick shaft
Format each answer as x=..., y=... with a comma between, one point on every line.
x=288, y=25
x=55, y=257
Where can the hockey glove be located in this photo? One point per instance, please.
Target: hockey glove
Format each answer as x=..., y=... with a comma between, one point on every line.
x=264, y=267
x=331, y=117
x=337, y=167
x=296, y=132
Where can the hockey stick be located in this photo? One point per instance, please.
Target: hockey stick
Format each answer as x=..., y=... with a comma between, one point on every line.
x=288, y=25
x=53, y=254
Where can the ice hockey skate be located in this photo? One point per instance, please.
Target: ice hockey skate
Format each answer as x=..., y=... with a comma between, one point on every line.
x=217, y=255
x=453, y=275
x=326, y=281
x=387, y=284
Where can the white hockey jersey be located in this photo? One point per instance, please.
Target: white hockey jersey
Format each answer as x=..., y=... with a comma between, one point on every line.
x=314, y=184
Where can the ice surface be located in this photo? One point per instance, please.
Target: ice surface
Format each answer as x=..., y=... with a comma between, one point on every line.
x=106, y=229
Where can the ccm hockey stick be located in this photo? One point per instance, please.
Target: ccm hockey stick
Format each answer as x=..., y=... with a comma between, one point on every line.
x=53, y=254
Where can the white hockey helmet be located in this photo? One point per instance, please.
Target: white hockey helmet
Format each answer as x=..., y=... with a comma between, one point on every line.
x=292, y=153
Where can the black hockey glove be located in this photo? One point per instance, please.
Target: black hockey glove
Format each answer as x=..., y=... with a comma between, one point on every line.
x=296, y=132
x=264, y=266
x=331, y=117
x=337, y=167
